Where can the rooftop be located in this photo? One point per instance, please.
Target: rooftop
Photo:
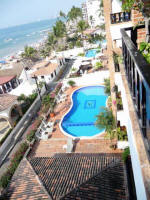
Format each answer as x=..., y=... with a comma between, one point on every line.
x=70, y=176
x=45, y=70
x=5, y=79
x=6, y=100
x=40, y=64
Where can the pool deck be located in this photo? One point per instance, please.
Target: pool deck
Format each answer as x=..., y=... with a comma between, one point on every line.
x=47, y=148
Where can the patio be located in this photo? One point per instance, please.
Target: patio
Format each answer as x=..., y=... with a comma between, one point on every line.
x=55, y=144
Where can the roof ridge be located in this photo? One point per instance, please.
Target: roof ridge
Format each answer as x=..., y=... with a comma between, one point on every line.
x=104, y=160
x=100, y=172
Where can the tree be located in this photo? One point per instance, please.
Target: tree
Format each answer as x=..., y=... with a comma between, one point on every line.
x=107, y=86
x=29, y=53
x=63, y=15
x=105, y=120
x=51, y=41
x=59, y=29
x=91, y=20
x=82, y=25
x=44, y=53
x=142, y=6
x=71, y=83
x=74, y=13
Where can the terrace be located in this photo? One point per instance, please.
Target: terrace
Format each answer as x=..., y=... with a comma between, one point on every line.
x=120, y=17
x=135, y=73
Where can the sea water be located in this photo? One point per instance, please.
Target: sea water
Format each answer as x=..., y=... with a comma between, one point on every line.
x=13, y=39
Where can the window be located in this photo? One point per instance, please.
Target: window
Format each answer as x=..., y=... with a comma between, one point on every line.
x=42, y=77
x=55, y=72
x=52, y=75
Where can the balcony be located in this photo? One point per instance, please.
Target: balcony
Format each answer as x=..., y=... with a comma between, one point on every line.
x=138, y=75
x=120, y=17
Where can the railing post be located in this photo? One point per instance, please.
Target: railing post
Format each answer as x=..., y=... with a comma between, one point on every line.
x=134, y=36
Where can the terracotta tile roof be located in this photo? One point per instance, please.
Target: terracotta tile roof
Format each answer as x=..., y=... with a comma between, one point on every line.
x=40, y=64
x=47, y=70
x=6, y=100
x=70, y=176
x=25, y=185
x=15, y=70
x=5, y=79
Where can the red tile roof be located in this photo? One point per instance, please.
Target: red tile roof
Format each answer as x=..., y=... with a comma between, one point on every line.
x=70, y=176
x=5, y=79
x=6, y=100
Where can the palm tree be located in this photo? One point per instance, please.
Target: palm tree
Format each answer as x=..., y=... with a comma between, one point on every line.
x=82, y=25
x=44, y=53
x=29, y=53
x=74, y=14
x=105, y=120
x=59, y=29
x=51, y=42
x=91, y=20
x=63, y=15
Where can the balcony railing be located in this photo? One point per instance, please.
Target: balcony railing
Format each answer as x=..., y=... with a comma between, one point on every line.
x=138, y=75
x=120, y=17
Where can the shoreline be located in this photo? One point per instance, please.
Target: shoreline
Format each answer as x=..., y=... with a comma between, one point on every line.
x=16, y=54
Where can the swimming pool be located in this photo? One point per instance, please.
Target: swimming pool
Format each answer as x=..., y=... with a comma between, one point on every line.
x=91, y=53
x=81, y=118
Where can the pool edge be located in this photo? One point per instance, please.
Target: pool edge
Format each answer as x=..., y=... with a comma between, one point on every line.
x=82, y=137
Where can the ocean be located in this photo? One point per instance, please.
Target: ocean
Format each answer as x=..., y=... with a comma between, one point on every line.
x=14, y=39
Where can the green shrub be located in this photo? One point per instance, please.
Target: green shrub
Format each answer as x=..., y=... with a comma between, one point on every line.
x=6, y=177
x=145, y=50
x=31, y=135
x=98, y=65
x=119, y=104
x=81, y=54
x=98, y=51
x=74, y=69
x=107, y=86
x=71, y=83
x=4, y=138
x=121, y=134
x=125, y=154
x=79, y=44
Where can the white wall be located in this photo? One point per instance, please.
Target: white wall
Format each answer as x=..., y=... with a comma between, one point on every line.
x=115, y=30
x=116, y=6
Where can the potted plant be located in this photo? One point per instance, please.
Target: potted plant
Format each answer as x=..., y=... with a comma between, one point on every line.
x=71, y=83
x=52, y=113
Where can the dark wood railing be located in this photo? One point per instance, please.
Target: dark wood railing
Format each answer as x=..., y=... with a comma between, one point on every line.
x=120, y=17
x=138, y=75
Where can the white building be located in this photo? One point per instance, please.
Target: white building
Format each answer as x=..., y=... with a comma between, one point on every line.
x=91, y=12
x=46, y=71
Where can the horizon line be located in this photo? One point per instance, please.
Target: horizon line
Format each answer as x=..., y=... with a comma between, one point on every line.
x=28, y=23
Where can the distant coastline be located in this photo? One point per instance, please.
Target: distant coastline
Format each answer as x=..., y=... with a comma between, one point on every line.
x=13, y=39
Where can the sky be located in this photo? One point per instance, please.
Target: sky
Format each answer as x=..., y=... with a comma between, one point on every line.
x=16, y=12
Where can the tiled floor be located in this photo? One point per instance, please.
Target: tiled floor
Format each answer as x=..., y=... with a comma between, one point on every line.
x=57, y=141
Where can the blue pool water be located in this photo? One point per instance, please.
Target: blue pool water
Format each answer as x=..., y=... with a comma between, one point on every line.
x=91, y=53
x=87, y=103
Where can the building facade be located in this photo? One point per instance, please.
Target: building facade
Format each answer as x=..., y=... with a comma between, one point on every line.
x=131, y=78
x=8, y=83
x=91, y=13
